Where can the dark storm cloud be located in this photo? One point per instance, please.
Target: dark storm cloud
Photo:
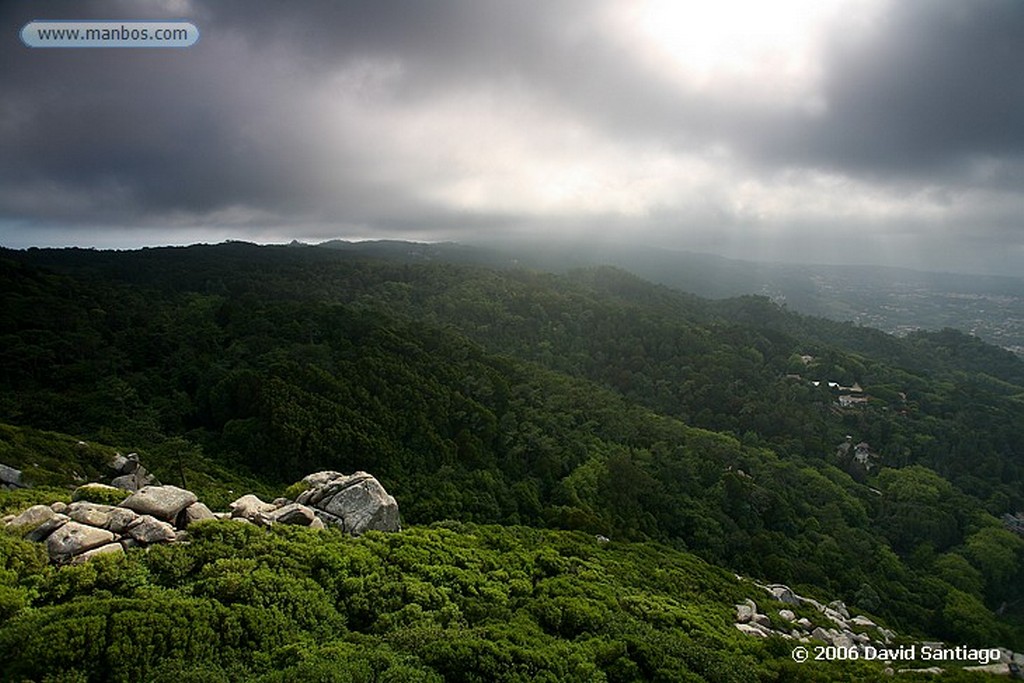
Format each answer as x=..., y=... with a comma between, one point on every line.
x=228, y=123
x=122, y=136
x=252, y=126
x=931, y=86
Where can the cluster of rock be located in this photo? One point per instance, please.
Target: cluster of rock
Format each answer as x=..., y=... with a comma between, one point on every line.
x=126, y=472
x=355, y=503
x=834, y=626
x=131, y=475
x=83, y=529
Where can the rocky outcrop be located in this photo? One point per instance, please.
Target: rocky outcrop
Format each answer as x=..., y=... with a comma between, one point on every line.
x=833, y=625
x=160, y=514
x=355, y=503
x=131, y=475
x=126, y=473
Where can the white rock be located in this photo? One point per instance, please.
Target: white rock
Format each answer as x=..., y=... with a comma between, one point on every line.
x=753, y=630
x=92, y=514
x=73, y=538
x=251, y=508
x=321, y=493
x=321, y=478
x=327, y=519
x=121, y=519
x=1000, y=669
x=293, y=513
x=149, y=529
x=126, y=482
x=120, y=464
x=843, y=640
x=9, y=475
x=32, y=518
x=783, y=594
x=744, y=614
x=365, y=506
x=196, y=512
x=814, y=603
x=164, y=502
x=43, y=531
x=821, y=634
x=108, y=549
x=840, y=606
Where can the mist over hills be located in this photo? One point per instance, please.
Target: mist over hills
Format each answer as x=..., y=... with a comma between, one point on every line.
x=892, y=299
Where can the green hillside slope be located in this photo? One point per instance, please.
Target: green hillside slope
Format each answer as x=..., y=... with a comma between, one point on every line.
x=591, y=402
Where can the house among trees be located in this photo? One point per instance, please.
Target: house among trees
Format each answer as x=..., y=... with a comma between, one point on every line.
x=849, y=400
x=848, y=396
x=861, y=453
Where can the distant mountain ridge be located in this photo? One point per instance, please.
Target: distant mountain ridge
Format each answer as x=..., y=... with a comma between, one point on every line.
x=892, y=299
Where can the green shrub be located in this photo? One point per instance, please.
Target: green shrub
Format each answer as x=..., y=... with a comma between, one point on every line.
x=99, y=493
x=293, y=491
x=17, y=501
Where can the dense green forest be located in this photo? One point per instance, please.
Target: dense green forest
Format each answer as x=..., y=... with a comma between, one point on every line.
x=589, y=402
x=452, y=601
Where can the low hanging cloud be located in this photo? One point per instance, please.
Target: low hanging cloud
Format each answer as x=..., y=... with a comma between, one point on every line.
x=809, y=130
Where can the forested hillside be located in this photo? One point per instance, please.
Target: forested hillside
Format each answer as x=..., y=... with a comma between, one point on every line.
x=591, y=402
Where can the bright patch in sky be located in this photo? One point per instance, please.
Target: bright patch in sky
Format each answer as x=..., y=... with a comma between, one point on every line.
x=771, y=48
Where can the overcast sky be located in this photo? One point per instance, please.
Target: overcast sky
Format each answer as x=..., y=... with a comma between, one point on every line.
x=875, y=131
